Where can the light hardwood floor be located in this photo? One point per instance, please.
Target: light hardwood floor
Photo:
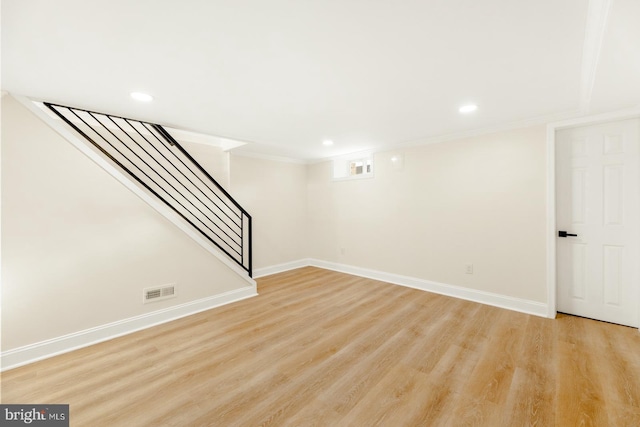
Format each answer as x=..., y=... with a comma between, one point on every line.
x=320, y=348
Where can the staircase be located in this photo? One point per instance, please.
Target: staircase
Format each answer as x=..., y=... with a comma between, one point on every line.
x=151, y=157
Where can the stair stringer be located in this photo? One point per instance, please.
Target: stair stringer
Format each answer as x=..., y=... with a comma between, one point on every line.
x=92, y=153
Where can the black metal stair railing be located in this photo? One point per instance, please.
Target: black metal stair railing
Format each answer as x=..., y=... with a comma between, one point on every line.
x=154, y=159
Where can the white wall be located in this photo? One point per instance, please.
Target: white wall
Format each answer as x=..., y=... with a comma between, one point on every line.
x=477, y=201
x=275, y=194
x=78, y=247
x=213, y=159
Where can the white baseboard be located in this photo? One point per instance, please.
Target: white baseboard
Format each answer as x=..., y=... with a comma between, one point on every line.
x=280, y=268
x=482, y=297
x=496, y=300
x=32, y=353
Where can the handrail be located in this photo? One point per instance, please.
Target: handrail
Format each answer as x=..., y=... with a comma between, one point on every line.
x=161, y=165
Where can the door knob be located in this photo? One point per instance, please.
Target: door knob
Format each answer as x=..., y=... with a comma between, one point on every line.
x=565, y=234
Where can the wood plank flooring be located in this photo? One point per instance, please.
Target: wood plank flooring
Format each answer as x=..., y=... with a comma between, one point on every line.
x=320, y=348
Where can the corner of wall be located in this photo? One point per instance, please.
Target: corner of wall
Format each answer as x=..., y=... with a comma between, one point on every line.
x=510, y=303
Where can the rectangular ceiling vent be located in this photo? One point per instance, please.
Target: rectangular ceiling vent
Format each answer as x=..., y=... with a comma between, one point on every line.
x=159, y=293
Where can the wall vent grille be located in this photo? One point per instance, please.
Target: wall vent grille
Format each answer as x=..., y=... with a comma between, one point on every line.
x=158, y=293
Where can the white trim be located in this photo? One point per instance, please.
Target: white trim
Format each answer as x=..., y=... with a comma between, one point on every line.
x=574, y=115
x=61, y=128
x=630, y=113
x=487, y=130
x=456, y=136
x=280, y=268
x=45, y=349
x=551, y=224
x=354, y=177
x=482, y=297
x=225, y=144
x=270, y=157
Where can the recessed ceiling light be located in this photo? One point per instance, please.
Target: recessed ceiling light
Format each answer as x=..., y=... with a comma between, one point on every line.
x=139, y=96
x=327, y=142
x=469, y=108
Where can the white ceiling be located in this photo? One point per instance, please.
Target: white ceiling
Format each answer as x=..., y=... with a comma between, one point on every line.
x=287, y=74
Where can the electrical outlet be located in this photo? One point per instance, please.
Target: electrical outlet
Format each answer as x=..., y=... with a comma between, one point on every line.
x=342, y=251
x=468, y=268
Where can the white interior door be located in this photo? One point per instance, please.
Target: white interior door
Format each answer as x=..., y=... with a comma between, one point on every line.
x=598, y=199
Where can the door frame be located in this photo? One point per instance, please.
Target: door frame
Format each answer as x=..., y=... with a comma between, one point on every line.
x=552, y=128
